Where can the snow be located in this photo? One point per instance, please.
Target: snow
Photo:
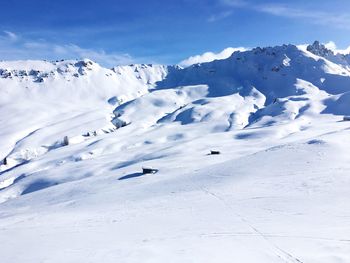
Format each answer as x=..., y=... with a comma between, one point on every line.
x=277, y=192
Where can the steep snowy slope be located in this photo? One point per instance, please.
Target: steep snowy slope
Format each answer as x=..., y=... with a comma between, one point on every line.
x=246, y=88
x=75, y=136
x=42, y=102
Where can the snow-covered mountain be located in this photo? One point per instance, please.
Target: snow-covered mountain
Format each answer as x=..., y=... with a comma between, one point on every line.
x=74, y=136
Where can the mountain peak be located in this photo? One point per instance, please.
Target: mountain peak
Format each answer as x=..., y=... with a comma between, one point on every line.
x=319, y=49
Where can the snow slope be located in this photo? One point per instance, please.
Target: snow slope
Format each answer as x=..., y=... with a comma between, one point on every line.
x=75, y=137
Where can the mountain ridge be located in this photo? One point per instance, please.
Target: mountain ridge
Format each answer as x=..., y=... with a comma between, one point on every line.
x=248, y=88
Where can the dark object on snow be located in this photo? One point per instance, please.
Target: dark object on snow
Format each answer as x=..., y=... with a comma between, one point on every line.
x=40, y=80
x=214, y=152
x=149, y=170
x=5, y=161
x=65, y=141
x=346, y=118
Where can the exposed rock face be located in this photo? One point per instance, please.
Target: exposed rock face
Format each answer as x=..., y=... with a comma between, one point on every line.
x=319, y=49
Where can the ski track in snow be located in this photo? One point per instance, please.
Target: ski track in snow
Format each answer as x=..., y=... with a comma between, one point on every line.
x=285, y=256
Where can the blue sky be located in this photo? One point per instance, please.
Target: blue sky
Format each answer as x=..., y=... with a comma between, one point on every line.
x=162, y=31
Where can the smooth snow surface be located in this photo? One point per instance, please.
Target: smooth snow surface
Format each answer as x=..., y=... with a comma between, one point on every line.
x=75, y=136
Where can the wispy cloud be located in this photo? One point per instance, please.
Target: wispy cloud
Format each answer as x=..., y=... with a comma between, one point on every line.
x=316, y=17
x=15, y=47
x=219, y=16
x=210, y=56
x=235, y=3
x=338, y=20
x=10, y=36
x=100, y=56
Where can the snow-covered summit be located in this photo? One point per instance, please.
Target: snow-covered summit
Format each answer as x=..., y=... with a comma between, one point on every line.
x=321, y=50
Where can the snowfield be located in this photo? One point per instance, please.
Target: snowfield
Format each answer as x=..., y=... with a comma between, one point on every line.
x=75, y=136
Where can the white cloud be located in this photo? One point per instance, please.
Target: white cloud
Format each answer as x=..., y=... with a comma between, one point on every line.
x=332, y=46
x=11, y=36
x=14, y=47
x=226, y=13
x=235, y=3
x=210, y=56
x=313, y=16
x=100, y=56
x=216, y=17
